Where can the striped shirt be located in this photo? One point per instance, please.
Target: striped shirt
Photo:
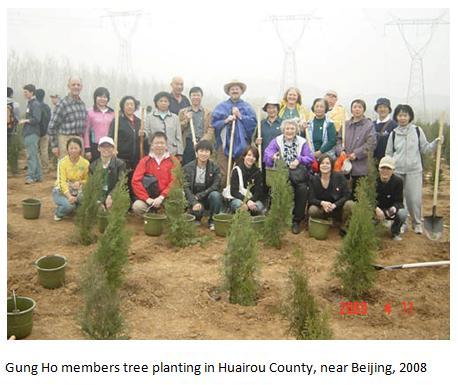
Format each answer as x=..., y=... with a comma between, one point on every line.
x=69, y=118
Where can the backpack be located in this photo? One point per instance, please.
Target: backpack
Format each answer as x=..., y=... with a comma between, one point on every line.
x=45, y=118
x=419, y=148
x=11, y=120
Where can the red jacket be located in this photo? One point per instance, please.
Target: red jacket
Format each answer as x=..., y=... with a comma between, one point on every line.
x=162, y=171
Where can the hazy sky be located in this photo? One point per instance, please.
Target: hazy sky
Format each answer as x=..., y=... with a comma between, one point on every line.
x=349, y=50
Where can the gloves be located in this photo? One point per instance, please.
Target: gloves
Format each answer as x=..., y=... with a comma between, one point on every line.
x=391, y=212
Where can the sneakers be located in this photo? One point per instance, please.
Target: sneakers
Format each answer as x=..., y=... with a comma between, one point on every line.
x=56, y=218
x=404, y=228
x=211, y=226
x=296, y=228
x=29, y=181
x=397, y=238
x=342, y=232
x=418, y=229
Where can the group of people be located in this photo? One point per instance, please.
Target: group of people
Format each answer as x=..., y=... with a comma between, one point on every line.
x=179, y=129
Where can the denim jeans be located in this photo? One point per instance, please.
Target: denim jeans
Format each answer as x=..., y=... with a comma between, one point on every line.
x=213, y=203
x=236, y=203
x=64, y=207
x=33, y=161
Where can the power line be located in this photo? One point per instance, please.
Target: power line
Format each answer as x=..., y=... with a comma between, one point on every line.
x=416, y=88
x=289, y=71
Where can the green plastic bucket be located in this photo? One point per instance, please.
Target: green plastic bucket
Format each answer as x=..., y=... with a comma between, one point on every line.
x=222, y=224
x=102, y=220
x=189, y=217
x=258, y=223
x=154, y=224
x=31, y=208
x=51, y=270
x=319, y=228
x=19, y=324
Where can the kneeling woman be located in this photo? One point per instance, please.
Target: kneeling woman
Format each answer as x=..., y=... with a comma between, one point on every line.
x=329, y=194
x=295, y=152
x=72, y=173
x=245, y=174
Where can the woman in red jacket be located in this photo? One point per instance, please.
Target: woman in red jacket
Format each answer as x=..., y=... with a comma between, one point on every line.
x=152, y=177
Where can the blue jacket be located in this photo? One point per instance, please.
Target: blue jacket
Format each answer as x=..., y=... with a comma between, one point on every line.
x=244, y=127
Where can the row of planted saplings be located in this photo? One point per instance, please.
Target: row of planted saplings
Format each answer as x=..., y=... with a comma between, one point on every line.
x=51, y=275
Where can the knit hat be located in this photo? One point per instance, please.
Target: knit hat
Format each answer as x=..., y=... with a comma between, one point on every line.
x=383, y=101
x=387, y=161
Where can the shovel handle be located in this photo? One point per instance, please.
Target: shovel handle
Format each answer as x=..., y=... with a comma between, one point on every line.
x=438, y=159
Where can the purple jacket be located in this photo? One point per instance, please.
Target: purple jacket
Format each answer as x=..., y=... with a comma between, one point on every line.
x=305, y=156
x=359, y=139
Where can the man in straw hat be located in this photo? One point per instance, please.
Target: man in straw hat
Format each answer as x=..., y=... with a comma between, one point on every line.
x=233, y=109
x=336, y=111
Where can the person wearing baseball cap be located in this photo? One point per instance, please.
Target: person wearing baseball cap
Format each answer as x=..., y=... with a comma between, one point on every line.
x=113, y=169
x=336, y=111
x=383, y=126
x=389, y=189
x=232, y=109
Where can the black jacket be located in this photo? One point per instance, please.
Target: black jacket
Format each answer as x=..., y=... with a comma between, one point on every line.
x=33, y=113
x=116, y=168
x=212, y=181
x=128, y=141
x=390, y=193
x=252, y=176
x=337, y=191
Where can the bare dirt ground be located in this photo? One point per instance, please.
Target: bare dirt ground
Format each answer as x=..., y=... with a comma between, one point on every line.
x=174, y=294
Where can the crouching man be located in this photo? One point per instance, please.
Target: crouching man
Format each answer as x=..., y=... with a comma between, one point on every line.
x=390, y=197
x=152, y=178
x=113, y=169
x=202, y=183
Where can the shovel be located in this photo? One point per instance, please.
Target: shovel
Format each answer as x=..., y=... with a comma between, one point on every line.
x=412, y=265
x=433, y=224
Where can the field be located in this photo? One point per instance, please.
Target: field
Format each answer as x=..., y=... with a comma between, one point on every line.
x=175, y=294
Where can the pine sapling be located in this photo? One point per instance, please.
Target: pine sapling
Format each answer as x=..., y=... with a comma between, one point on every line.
x=354, y=262
x=181, y=233
x=278, y=219
x=103, y=274
x=241, y=260
x=86, y=213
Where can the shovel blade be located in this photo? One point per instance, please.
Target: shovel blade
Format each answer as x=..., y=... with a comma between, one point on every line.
x=433, y=226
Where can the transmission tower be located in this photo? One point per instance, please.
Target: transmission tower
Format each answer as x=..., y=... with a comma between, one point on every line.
x=289, y=72
x=125, y=24
x=416, y=89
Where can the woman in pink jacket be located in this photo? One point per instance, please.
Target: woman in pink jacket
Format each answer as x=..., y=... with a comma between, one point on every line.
x=97, y=123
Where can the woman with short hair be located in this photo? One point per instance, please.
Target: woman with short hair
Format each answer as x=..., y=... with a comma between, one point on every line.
x=295, y=152
x=162, y=120
x=405, y=144
x=359, y=142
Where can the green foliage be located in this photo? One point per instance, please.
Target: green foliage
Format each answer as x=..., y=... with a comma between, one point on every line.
x=278, y=219
x=86, y=213
x=306, y=321
x=241, y=260
x=371, y=185
x=181, y=233
x=354, y=262
x=15, y=146
x=103, y=273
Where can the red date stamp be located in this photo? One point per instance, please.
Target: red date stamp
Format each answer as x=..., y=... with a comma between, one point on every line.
x=361, y=308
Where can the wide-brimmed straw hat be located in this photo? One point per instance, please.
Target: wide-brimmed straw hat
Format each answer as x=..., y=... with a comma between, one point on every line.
x=234, y=83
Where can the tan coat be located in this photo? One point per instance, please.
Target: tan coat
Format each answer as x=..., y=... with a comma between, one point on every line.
x=209, y=131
